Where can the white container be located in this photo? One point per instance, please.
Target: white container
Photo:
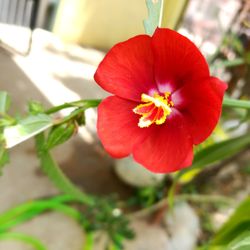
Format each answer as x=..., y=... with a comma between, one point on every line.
x=135, y=174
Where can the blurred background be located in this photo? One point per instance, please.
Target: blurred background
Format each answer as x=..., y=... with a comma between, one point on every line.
x=49, y=51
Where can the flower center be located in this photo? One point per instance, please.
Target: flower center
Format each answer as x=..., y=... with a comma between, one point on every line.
x=155, y=109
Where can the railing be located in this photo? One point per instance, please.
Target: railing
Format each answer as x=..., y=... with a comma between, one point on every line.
x=21, y=13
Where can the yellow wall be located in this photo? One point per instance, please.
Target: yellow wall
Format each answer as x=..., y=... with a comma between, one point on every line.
x=102, y=23
x=99, y=23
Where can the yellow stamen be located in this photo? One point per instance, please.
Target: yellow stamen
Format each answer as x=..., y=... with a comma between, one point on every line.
x=155, y=109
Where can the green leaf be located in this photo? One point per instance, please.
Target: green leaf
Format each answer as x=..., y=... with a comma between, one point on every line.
x=247, y=116
x=172, y=13
x=89, y=241
x=220, y=151
x=215, y=153
x=4, y=122
x=234, y=103
x=25, y=212
x=4, y=157
x=233, y=41
x=60, y=134
x=27, y=239
x=154, y=10
x=4, y=102
x=237, y=224
x=242, y=242
x=247, y=57
x=26, y=128
x=34, y=208
x=209, y=155
x=35, y=107
x=80, y=119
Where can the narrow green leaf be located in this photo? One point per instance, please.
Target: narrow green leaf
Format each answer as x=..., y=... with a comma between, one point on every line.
x=234, y=103
x=28, y=210
x=215, y=153
x=4, y=102
x=242, y=242
x=220, y=151
x=27, y=239
x=26, y=128
x=233, y=41
x=59, y=135
x=237, y=224
x=154, y=10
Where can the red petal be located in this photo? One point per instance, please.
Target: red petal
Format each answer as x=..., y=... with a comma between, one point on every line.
x=127, y=69
x=177, y=60
x=117, y=126
x=167, y=148
x=189, y=159
x=200, y=104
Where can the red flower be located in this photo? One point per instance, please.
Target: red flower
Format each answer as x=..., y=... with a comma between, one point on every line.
x=164, y=100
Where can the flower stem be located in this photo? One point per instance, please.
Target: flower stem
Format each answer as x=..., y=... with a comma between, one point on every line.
x=229, y=63
x=234, y=103
x=200, y=198
x=80, y=104
x=71, y=116
x=56, y=175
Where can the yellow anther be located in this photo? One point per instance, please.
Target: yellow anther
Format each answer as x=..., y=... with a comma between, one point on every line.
x=155, y=109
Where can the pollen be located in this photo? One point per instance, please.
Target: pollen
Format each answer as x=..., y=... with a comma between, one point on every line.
x=154, y=109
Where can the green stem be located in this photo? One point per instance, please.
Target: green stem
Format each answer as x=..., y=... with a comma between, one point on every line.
x=89, y=241
x=73, y=114
x=53, y=171
x=229, y=63
x=205, y=198
x=80, y=104
x=24, y=238
x=234, y=103
x=200, y=198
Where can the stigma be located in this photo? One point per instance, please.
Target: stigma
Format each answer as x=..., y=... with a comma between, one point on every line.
x=154, y=109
